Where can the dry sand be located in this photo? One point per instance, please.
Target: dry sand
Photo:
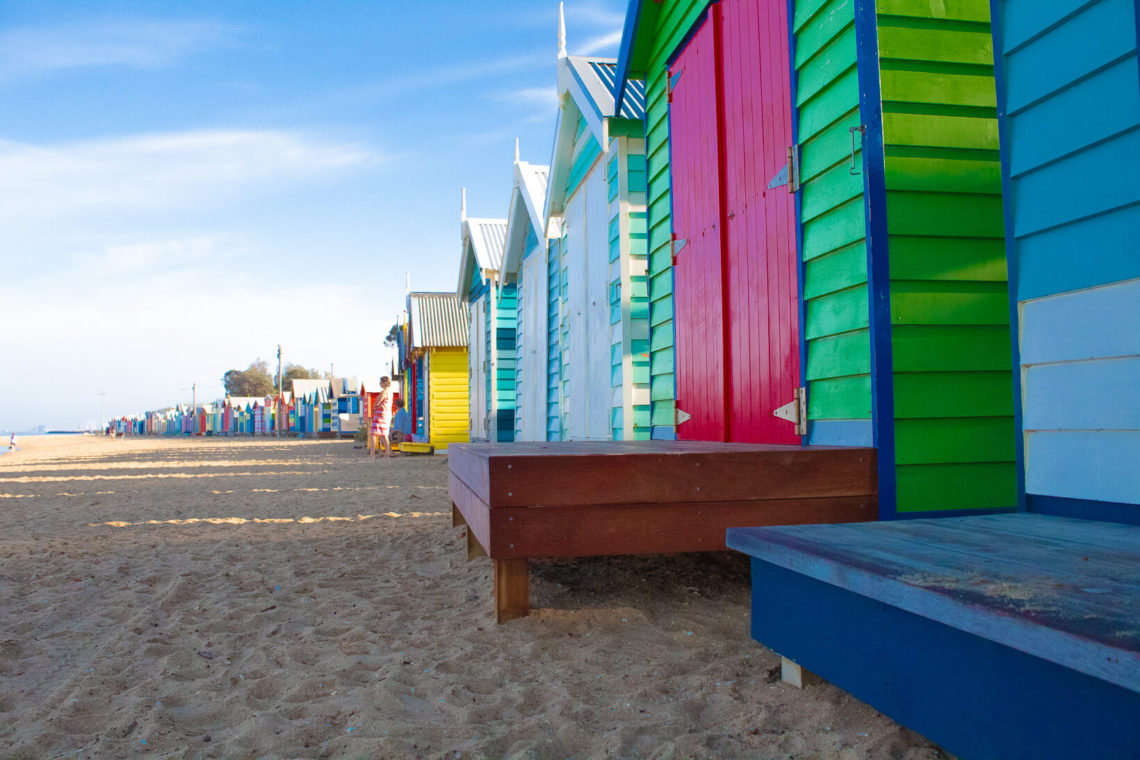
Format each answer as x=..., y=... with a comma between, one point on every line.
x=256, y=598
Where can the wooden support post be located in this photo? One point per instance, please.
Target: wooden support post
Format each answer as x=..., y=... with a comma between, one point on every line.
x=474, y=548
x=512, y=589
x=791, y=673
x=456, y=516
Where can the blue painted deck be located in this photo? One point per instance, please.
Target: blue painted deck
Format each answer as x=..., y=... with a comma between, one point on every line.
x=1014, y=635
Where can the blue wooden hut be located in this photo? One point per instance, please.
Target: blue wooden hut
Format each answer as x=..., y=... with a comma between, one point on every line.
x=1015, y=635
x=596, y=211
x=492, y=314
x=526, y=264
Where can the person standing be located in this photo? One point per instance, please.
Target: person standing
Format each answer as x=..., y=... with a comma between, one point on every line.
x=381, y=420
x=12, y=442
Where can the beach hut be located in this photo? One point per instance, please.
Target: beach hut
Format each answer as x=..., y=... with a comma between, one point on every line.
x=840, y=279
x=436, y=366
x=1025, y=626
x=491, y=327
x=595, y=206
x=305, y=393
x=346, y=401
x=526, y=264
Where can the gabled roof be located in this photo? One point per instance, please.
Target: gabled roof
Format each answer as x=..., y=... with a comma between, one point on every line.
x=306, y=388
x=345, y=386
x=586, y=90
x=437, y=320
x=528, y=201
x=483, y=241
x=243, y=401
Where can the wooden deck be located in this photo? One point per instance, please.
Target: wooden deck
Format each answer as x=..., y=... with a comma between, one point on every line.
x=1013, y=635
x=578, y=499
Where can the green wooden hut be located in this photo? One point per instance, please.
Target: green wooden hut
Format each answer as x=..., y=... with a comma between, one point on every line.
x=902, y=286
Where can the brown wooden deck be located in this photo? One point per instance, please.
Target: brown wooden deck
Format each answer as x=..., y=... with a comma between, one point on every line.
x=594, y=498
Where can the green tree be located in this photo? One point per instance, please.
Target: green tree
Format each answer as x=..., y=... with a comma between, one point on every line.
x=255, y=380
x=298, y=372
x=390, y=338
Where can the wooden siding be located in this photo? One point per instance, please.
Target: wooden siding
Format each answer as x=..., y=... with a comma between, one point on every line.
x=446, y=377
x=1075, y=211
x=504, y=325
x=832, y=215
x=950, y=340
x=675, y=20
x=554, y=341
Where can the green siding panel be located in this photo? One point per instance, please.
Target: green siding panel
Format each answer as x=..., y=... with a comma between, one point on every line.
x=840, y=398
x=982, y=485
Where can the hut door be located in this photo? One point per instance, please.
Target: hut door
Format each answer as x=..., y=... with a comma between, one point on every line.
x=478, y=364
x=697, y=258
x=736, y=287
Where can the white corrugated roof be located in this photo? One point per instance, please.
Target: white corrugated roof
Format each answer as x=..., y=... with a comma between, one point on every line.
x=488, y=236
x=528, y=200
x=438, y=320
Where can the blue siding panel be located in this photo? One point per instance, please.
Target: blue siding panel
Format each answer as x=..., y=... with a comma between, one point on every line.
x=1097, y=466
x=1092, y=395
x=1026, y=19
x=1041, y=144
x=1076, y=326
x=1065, y=55
x=1085, y=184
x=1046, y=259
x=841, y=433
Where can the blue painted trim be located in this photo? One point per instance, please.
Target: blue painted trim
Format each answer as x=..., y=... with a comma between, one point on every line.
x=940, y=513
x=586, y=94
x=663, y=434
x=1137, y=15
x=1084, y=509
x=997, y=27
x=799, y=200
x=625, y=52
x=975, y=697
x=878, y=255
x=841, y=433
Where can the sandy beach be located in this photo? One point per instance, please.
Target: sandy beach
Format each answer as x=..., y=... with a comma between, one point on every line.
x=255, y=598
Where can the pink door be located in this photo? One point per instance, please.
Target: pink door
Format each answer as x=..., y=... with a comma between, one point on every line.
x=697, y=273
x=744, y=132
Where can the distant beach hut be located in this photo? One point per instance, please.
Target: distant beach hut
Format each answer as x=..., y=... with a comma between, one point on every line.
x=346, y=398
x=526, y=264
x=491, y=327
x=436, y=367
x=595, y=206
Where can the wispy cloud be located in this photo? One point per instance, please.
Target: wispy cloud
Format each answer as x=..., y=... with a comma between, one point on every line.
x=608, y=42
x=162, y=170
x=132, y=44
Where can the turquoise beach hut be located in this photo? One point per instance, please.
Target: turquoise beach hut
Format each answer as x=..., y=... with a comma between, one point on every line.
x=492, y=312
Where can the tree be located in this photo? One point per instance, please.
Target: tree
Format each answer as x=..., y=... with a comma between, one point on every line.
x=252, y=381
x=298, y=372
x=390, y=339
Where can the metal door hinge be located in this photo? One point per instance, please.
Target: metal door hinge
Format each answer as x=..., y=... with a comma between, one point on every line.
x=790, y=173
x=862, y=130
x=680, y=416
x=795, y=411
x=678, y=244
x=673, y=84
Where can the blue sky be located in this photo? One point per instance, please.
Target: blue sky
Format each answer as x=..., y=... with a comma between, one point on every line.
x=185, y=185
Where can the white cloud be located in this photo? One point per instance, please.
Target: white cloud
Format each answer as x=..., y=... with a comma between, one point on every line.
x=608, y=41
x=133, y=44
x=159, y=171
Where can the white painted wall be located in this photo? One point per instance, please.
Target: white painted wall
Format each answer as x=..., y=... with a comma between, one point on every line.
x=531, y=402
x=476, y=354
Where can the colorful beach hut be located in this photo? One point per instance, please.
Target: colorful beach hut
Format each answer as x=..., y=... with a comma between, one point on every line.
x=491, y=308
x=841, y=279
x=1026, y=626
x=346, y=401
x=595, y=206
x=436, y=367
x=527, y=265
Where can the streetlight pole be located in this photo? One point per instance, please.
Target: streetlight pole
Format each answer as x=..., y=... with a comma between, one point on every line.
x=102, y=399
x=280, y=393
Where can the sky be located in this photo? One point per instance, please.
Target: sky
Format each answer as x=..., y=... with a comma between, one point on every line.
x=186, y=185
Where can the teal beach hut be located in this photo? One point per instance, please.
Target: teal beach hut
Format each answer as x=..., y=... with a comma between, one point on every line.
x=492, y=312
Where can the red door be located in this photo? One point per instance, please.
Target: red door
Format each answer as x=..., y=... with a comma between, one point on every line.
x=697, y=288
x=752, y=278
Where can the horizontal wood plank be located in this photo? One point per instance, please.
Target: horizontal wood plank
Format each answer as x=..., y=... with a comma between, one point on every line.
x=1033, y=589
x=632, y=472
